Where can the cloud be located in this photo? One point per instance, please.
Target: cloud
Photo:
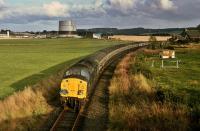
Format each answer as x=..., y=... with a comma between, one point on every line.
x=163, y=5
x=98, y=3
x=123, y=4
x=2, y=2
x=3, y=9
x=20, y=15
x=95, y=10
x=138, y=7
x=105, y=12
x=167, y=4
x=55, y=9
x=174, y=11
x=120, y=7
x=27, y=14
x=2, y=6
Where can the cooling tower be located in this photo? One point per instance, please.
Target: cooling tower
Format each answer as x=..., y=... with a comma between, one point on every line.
x=67, y=27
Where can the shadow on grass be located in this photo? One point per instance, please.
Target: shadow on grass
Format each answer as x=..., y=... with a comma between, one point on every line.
x=36, y=78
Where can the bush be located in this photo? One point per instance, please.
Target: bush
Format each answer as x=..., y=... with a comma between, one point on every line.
x=153, y=42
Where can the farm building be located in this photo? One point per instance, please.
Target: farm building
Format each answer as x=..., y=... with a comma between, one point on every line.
x=188, y=35
x=178, y=38
x=192, y=34
x=166, y=54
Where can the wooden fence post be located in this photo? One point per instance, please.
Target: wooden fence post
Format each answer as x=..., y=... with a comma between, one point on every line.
x=152, y=65
x=162, y=64
x=177, y=66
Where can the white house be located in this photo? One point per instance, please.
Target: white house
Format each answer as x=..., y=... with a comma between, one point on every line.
x=97, y=35
x=5, y=35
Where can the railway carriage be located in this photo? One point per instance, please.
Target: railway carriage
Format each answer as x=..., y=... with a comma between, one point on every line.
x=79, y=80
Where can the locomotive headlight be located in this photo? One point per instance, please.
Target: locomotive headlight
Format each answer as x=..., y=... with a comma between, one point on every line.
x=80, y=92
x=63, y=92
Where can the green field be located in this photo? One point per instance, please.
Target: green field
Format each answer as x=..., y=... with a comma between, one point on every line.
x=155, y=98
x=180, y=86
x=187, y=77
x=24, y=62
x=184, y=79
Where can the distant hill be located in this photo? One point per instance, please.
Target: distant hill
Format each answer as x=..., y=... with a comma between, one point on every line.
x=104, y=30
x=136, y=31
x=143, y=31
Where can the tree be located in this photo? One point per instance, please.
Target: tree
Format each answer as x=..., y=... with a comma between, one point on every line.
x=198, y=27
x=153, y=42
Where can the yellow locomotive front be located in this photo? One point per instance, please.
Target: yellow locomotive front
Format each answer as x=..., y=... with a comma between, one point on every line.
x=74, y=86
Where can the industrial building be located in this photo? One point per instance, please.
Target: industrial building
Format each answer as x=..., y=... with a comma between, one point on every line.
x=5, y=35
x=24, y=35
x=67, y=28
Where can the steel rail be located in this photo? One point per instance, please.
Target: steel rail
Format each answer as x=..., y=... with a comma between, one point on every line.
x=65, y=121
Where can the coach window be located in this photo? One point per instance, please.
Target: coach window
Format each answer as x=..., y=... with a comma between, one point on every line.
x=85, y=73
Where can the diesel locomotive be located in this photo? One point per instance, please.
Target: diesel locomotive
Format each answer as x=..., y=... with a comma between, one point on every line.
x=79, y=80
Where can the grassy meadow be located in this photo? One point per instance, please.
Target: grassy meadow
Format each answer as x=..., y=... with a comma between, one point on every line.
x=27, y=61
x=184, y=81
x=143, y=97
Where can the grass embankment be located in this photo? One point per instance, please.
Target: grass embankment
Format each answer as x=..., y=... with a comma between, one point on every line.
x=150, y=98
x=37, y=65
x=25, y=62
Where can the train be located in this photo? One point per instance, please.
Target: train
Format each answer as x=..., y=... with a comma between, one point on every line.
x=79, y=80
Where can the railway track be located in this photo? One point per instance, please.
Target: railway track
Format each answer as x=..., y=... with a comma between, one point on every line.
x=94, y=113
x=70, y=120
x=66, y=121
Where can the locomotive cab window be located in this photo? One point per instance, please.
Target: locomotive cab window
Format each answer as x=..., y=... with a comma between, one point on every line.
x=67, y=73
x=75, y=71
x=78, y=71
x=72, y=71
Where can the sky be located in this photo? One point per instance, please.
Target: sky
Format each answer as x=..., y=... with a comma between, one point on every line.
x=38, y=15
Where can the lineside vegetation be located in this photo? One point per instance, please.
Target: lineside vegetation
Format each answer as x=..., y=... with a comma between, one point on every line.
x=150, y=98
